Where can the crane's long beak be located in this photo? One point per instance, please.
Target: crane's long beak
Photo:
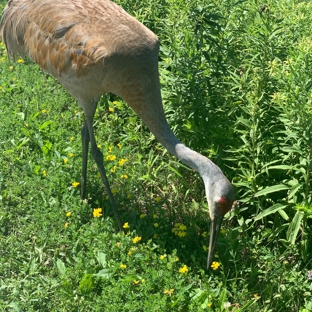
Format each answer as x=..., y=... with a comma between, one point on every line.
x=214, y=231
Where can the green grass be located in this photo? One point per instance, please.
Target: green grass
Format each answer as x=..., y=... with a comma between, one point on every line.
x=236, y=84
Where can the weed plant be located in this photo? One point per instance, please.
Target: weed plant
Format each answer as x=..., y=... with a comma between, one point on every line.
x=236, y=86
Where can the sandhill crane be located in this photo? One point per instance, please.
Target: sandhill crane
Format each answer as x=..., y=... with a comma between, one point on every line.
x=93, y=47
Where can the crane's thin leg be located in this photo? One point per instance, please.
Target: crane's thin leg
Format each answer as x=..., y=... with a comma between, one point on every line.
x=85, y=149
x=98, y=158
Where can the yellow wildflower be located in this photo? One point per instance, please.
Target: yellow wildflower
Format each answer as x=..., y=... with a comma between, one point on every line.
x=124, y=176
x=114, y=190
x=20, y=61
x=135, y=282
x=142, y=216
x=65, y=160
x=184, y=269
x=123, y=266
x=110, y=148
x=209, y=305
x=68, y=214
x=113, y=169
x=204, y=234
x=110, y=109
x=122, y=161
x=176, y=259
x=118, y=244
x=156, y=225
x=66, y=225
x=169, y=292
x=70, y=154
x=126, y=225
x=223, y=231
x=256, y=296
x=97, y=212
x=119, y=145
x=158, y=199
x=43, y=111
x=72, y=138
x=162, y=257
x=215, y=265
x=155, y=216
x=75, y=184
x=136, y=239
x=110, y=157
x=115, y=102
x=44, y=173
x=11, y=67
x=99, y=146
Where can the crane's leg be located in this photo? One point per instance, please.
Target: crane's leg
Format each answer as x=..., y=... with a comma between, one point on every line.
x=88, y=136
x=85, y=149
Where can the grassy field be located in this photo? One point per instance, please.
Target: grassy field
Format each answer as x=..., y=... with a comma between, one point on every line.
x=236, y=84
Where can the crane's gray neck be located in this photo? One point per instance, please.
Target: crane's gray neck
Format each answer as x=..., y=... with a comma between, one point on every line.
x=204, y=166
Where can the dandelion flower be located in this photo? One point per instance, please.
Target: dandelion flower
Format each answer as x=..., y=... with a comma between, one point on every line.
x=126, y=225
x=123, y=266
x=136, y=239
x=75, y=184
x=68, y=214
x=110, y=109
x=97, y=212
x=70, y=154
x=20, y=61
x=209, y=305
x=184, y=269
x=215, y=265
x=66, y=225
x=162, y=257
x=124, y=176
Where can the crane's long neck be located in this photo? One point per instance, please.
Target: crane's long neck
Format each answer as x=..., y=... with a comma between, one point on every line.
x=153, y=116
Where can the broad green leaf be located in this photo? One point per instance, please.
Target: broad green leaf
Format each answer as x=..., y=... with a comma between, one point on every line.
x=294, y=227
x=270, y=210
x=60, y=267
x=101, y=257
x=272, y=189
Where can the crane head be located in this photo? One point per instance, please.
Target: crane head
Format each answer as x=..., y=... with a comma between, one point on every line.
x=220, y=197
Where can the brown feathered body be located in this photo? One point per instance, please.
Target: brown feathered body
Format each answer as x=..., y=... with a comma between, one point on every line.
x=93, y=47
